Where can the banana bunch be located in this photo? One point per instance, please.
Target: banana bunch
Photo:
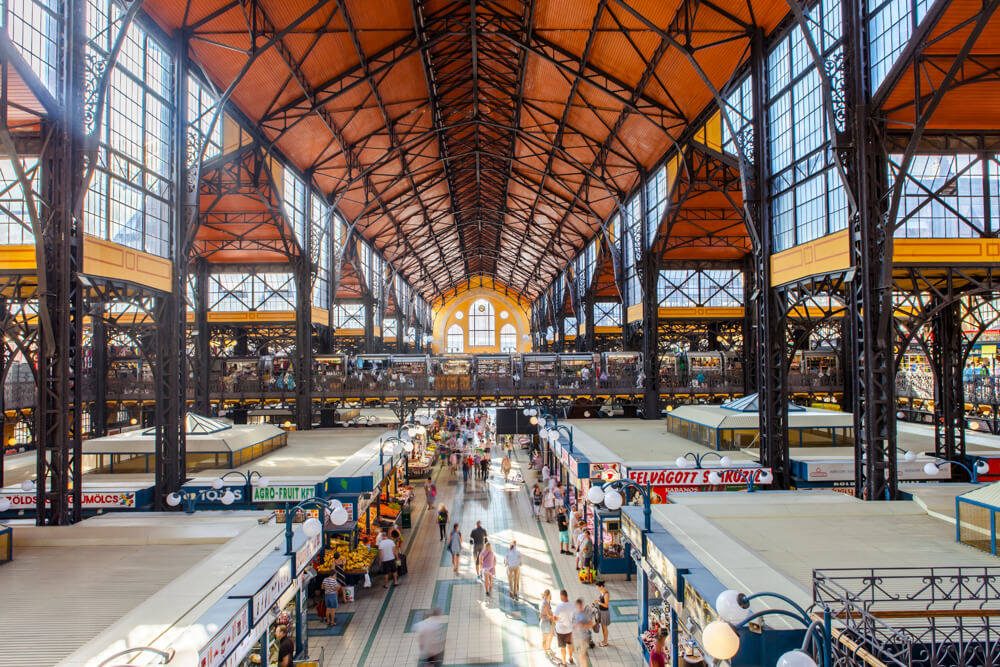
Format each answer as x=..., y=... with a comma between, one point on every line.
x=359, y=559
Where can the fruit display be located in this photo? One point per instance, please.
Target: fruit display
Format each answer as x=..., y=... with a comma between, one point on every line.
x=355, y=562
x=360, y=560
x=390, y=510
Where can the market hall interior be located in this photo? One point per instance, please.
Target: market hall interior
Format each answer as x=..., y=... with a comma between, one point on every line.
x=715, y=276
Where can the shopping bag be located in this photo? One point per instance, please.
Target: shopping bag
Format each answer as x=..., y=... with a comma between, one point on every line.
x=368, y=581
x=348, y=593
x=321, y=609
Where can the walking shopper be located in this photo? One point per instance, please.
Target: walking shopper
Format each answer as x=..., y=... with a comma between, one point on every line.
x=330, y=599
x=563, y=525
x=478, y=538
x=442, y=521
x=582, y=622
x=465, y=470
x=431, y=637
x=549, y=503
x=536, y=502
x=455, y=547
x=429, y=492
x=505, y=468
x=546, y=621
x=658, y=656
x=487, y=563
x=564, y=627
x=484, y=467
x=390, y=554
x=603, y=603
x=513, y=562
x=586, y=553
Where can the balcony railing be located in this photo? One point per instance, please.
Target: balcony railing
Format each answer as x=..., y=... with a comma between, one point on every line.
x=19, y=395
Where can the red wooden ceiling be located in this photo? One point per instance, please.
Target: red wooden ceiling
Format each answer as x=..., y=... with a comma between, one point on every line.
x=487, y=138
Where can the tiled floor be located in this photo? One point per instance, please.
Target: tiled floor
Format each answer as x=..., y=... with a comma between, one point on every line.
x=482, y=630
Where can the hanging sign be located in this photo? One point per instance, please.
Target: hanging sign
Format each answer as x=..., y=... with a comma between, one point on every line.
x=265, y=598
x=304, y=554
x=225, y=641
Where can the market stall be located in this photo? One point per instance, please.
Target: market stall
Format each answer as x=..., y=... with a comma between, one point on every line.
x=539, y=371
x=452, y=372
x=621, y=368
x=371, y=484
x=586, y=463
x=270, y=592
x=410, y=369
x=575, y=370
x=329, y=371
x=494, y=372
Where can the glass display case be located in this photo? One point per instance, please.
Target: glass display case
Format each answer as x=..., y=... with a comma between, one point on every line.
x=609, y=545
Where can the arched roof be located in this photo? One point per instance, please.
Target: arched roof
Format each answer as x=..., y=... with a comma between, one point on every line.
x=471, y=138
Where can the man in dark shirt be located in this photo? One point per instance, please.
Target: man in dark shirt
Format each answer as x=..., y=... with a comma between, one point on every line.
x=562, y=523
x=286, y=647
x=478, y=536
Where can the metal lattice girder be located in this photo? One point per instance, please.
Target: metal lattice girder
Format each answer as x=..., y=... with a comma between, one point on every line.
x=949, y=392
x=243, y=178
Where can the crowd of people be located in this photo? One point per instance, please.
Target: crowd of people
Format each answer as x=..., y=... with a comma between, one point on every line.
x=466, y=448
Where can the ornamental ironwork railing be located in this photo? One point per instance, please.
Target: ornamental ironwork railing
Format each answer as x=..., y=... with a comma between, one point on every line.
x=912, y=617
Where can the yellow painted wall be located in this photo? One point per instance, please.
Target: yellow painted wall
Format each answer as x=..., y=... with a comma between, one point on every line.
x=444, y=317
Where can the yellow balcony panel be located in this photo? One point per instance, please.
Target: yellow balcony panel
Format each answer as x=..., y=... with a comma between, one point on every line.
x=825, y=255
x=695, y=313
x=16, y=258
x=946, y=251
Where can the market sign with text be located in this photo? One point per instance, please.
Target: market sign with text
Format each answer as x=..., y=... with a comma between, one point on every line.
x=668, y=477
x=283, y=494
x=91, y=500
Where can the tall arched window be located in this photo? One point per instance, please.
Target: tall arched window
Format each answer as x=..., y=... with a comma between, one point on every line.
x=508, y=338
x=456, y=338
x=481, y=324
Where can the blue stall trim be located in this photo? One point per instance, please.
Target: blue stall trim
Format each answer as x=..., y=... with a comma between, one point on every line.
x=704, y=587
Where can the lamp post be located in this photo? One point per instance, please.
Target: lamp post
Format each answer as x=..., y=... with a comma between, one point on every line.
x=187, y=497
x=407, y=447
x=715, y=478
x=685, y=461
x=613, y=499
x=979, y=467
x=249, y=481
x=721, y=641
